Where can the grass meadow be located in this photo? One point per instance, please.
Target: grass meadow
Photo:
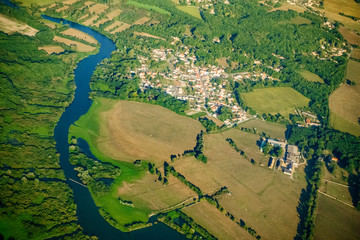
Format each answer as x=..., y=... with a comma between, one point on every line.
x=281, y=100
x=192, y=10
x=275, y=130
x=336, y=221
x=312, y=77
x=344, y=102
x=148, y=7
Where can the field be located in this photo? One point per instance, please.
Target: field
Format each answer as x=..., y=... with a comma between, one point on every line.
x=133, y=131
x=336, y=221
x=350, y=36
x=337, y=191
x=355, y=53
x=80, y=35
x=266, y=200
x=148, y=35
x=79, y=46
x=149, y=194
x=98, y=8
x=288, y=6
x=343, y=6
x=334, y=7
x=300, y=20
x=90, y=20
x=281, y=100
x=52, y=49
x=192, y=10
x=275, y=130
x=10, y=26
x=218, y=224
x=344, y=102
x=38, y=2
x=148, y=7
x=141, y=21
x=312, y=77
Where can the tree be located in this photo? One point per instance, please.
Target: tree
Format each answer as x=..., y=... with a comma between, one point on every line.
x=267, y=148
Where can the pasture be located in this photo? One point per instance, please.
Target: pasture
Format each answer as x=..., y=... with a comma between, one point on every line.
x=132, y=130
x=148, y=7
x=300, y=20
x=266, y=200
x=356, y=53
x=312, y=77
x=336, y=221
x=337, y=191
x=344, y=102
x=281, y=100
x=275, y=130
x=288, y=6
x=216, y=222
x=192, y=10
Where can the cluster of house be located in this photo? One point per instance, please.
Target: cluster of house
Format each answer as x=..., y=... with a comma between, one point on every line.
x=310, y=120
x=290, y=159
x=205, y=4
x=186, y=81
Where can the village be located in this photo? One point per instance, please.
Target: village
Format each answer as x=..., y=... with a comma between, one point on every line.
x=205, y=88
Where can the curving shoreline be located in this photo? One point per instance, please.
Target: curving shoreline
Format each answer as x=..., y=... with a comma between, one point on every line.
x=88, y=213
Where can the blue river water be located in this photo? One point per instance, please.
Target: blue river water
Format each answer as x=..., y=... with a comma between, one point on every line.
x=88, y=213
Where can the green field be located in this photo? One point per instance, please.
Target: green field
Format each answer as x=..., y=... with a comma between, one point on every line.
x=336, y=221
x=192, y=10
x=148, y=7
x=344, y=102
x=300, y=20
x=339, y=123
x=38, y=2
x=275, y=130
x=281, y=100
x=312, y=77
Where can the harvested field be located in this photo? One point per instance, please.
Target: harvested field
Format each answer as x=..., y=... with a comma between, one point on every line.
x=339, y=123
x=275, y=130
x=114, y=25
x=83, y=17
x=88, y=4
x=102, y=21
x=281, y=100
x=350, y=36
x=114, y=14
x=336, y=221
x=98, y=8
x=62, y=8
x=288, y=6
x=264, y=199
x=334, y=16
x=343, y=6
x=222, y=62
x=148, y=35
x=45, y=8
x=216, y=222
x=52, y=49
x=148, y=193
x=355, y=53
x=90, y=20
x=141, y=21
x=312, y=77
x=80, y=35
x=121, y=28
x=70, y=2
x=10, y=26
x=79, y=46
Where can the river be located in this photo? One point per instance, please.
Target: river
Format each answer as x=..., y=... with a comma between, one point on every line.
x=88, y=213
